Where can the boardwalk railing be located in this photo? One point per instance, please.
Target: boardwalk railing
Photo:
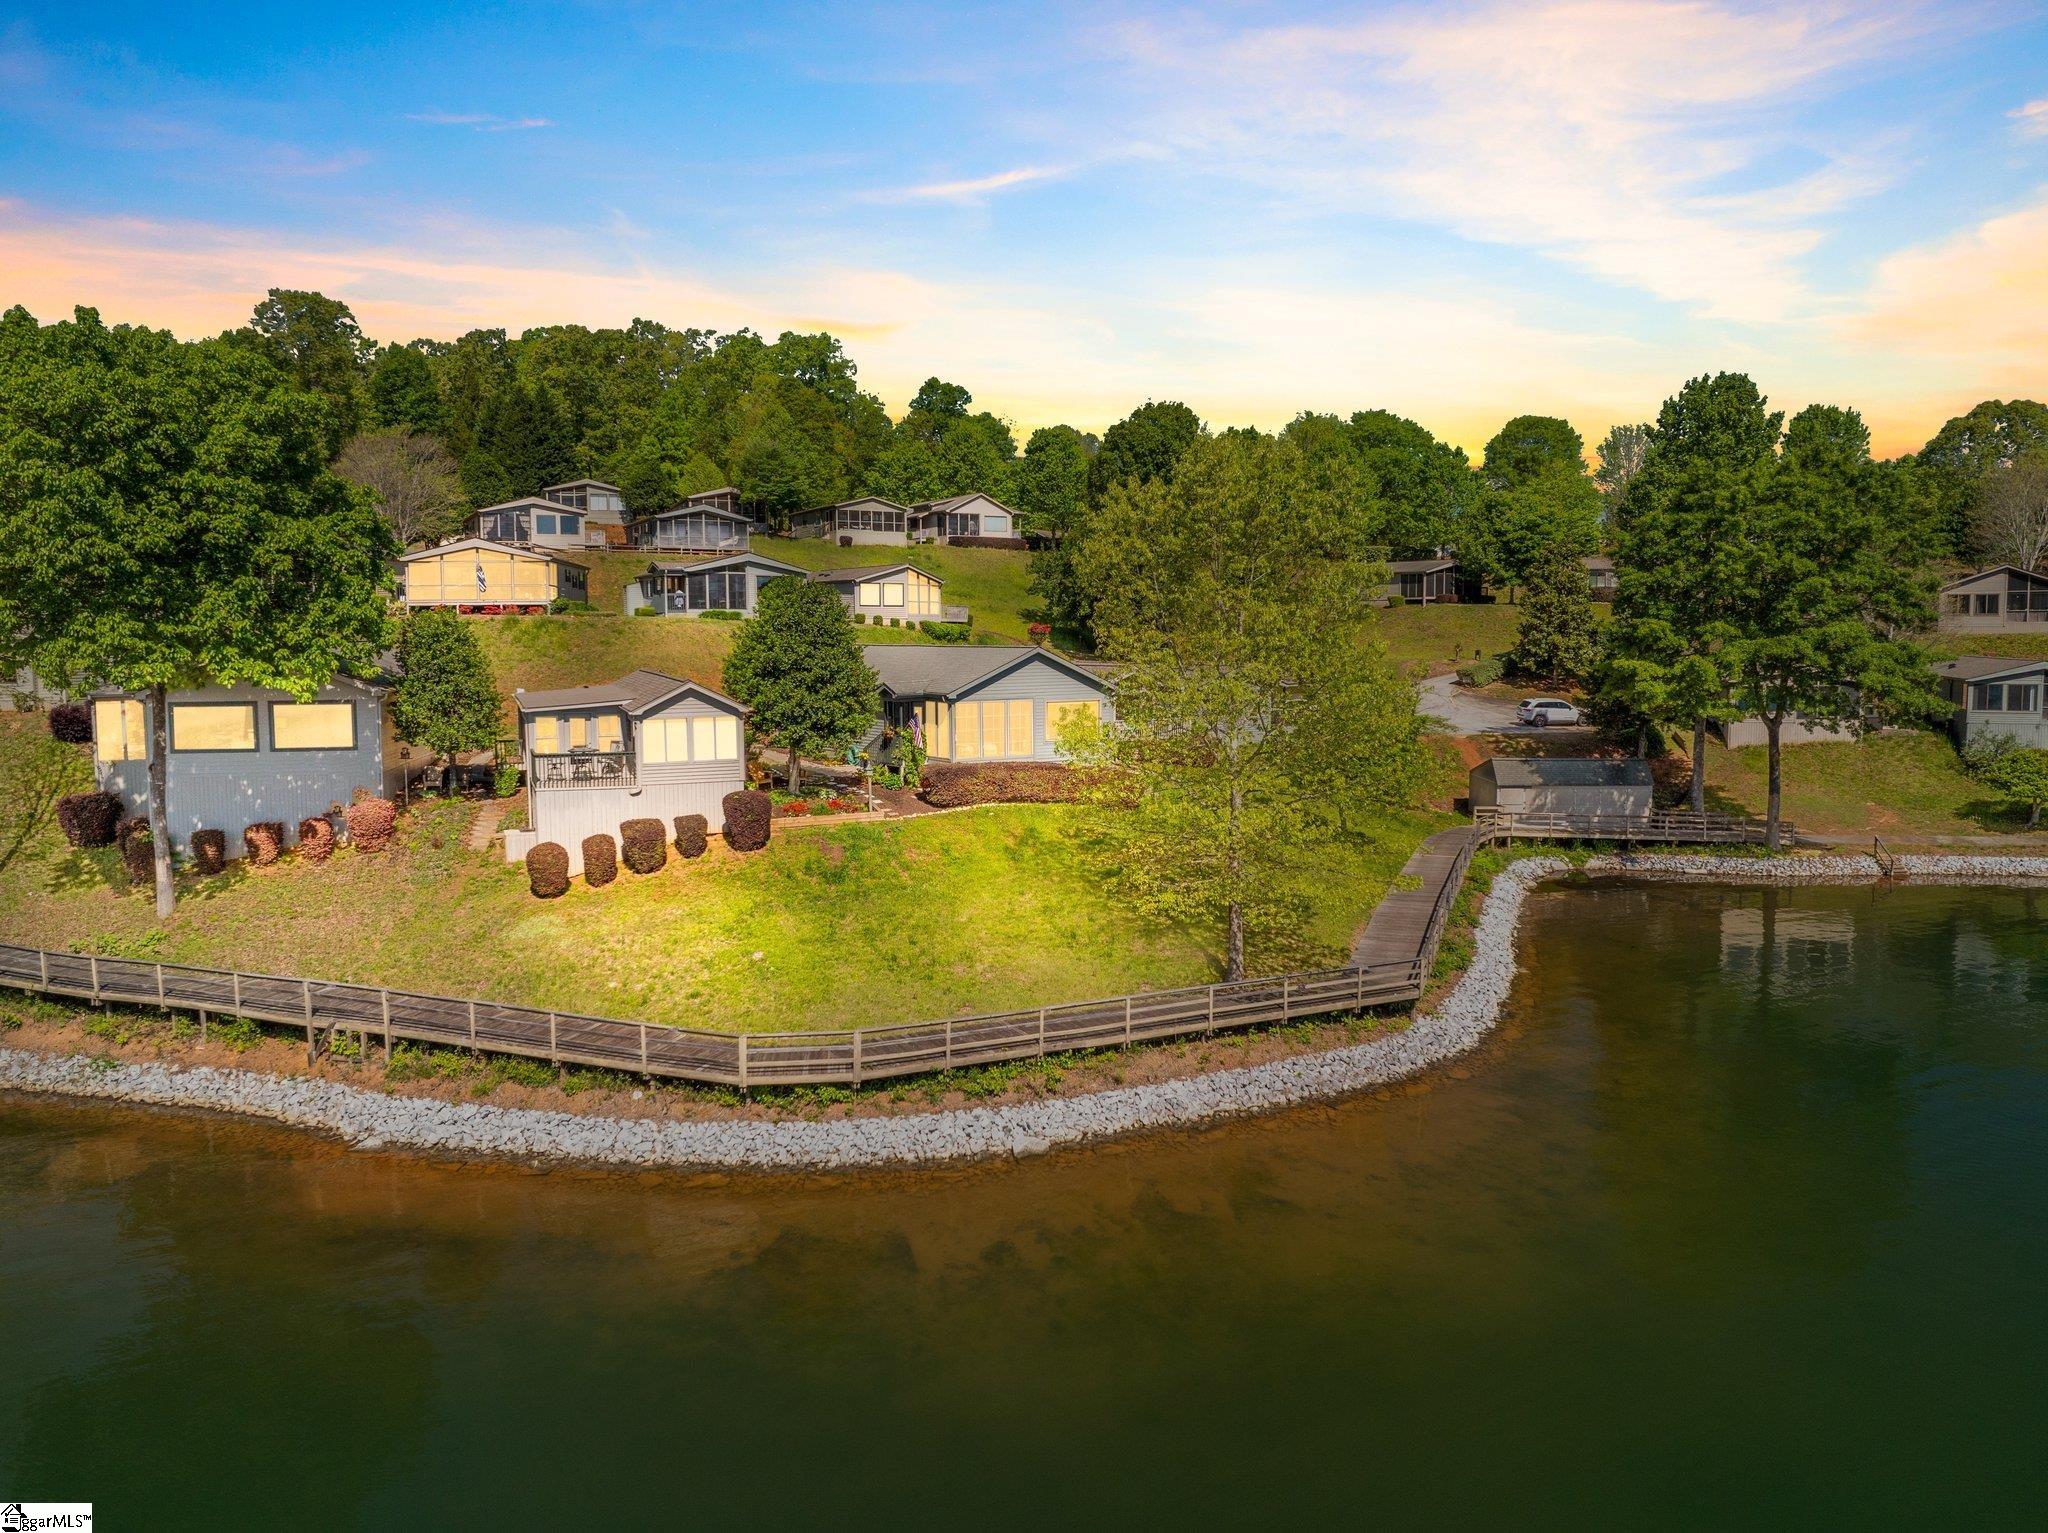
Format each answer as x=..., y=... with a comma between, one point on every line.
x=1661, y=827
x=323, y=1007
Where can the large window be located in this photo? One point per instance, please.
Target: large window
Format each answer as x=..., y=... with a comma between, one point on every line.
x=213, y=726
x=674, y=741
x=719, y=591
x=990, y=731
x=312, y=726
x=119, y=732
x=1987, y=604
x=924, y=596
x=1059, y=715
x=556, y=734
x=881, y=593
x=2008, y=697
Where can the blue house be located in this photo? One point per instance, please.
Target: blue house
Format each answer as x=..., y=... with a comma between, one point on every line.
x=239, y=756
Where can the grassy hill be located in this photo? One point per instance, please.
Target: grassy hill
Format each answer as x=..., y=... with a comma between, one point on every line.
x=993, y=582
x=1430, y=640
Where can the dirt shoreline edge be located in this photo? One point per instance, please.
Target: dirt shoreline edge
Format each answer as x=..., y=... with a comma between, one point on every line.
x=376, y=1120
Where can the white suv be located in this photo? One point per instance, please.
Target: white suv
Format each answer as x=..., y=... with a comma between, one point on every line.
x=1543, y=712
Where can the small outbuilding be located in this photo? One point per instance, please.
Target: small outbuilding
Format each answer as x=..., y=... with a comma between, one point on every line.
x=1563, y=785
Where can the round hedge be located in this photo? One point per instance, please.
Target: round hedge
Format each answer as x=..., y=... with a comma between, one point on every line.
x=643, y=846
x=71, y=723
x=547, y=870
x=748, y=814
x=265, y=842
x=316, y=838
x=89, y=819
x=138, y=850
x=600, y=860
x=210, y=850
x=369, y=823
x=692, y=833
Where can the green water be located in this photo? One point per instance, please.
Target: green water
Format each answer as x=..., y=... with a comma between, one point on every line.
x=1741, y=1220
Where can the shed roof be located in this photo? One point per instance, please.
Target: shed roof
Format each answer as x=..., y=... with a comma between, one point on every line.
x=937, y=670
x=696, y=508
x=1976, y=667
x=1568, y=771
x=486, y=545
x=581, y=484
x=636, y=692
x=1996, y=569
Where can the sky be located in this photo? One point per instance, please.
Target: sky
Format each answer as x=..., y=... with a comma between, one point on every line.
x=1458, y=212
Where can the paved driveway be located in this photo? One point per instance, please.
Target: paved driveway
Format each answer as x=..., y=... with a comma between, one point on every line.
x=1466, y=714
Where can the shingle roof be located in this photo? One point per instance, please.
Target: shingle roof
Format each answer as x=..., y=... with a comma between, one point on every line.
x=580, y=484
x=458, y=544
x=1971, y=667
x=635, y=692
x=867, y=572
x=1421, y=566
x=940, y=670
x=1570, y=771
x=720, y=561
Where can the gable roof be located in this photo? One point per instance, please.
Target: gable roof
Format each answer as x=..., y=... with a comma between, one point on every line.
x=1595, y=563
x=1568, y=771
x=1996, y=569
x=636, y=692
x=1420, y=566
x=677, y=566
x=940, y=670
x=528, y=503
x=695, y=508
x=482, y=544
x=858, y=500
x=1979, y=667
x=581, y=484
x=955, y=502
x=859, y=572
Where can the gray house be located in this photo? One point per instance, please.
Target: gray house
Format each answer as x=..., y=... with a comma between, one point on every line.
x=647, y=746
x=707, y=523
x=895, y=595
x=1992, y=695
x=2004, y=599
x=976, y=517
x=241, y=755
x=1562, y=785
x=603, y=507
x=688, y=587
x=868, y=519
x=533, y=521
x=1599, y=576
x=997, y=702
x=1429, y=580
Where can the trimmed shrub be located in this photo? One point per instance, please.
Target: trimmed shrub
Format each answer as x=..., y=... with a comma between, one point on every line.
x=369, y=823
x=600, y=860
x=643, y=846
x=316, y=838
x=210, y=851
x=722, y=615
x=568, y=606
x=89, y=819
x=1482, y=673
x=71, y=723
x=860, y=617
x=692, y=832
x=647, y=612
x=138, y=850
x=748, y=815
x=945, y=633
x=265, y=841
x=547, y=870
x=952, y=786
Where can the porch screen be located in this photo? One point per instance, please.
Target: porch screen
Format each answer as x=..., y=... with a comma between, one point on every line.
x=118, y=733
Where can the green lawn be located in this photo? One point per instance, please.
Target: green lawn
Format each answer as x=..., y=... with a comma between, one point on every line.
x=536, y=652
x=2015, y=646
x=993, y=582
x=1892, y=785
x=852, y=925
x=1430, y=640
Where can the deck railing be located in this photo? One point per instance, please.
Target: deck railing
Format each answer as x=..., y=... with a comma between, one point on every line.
x=371, y=1012
x=1660, y=826
x=584, y=769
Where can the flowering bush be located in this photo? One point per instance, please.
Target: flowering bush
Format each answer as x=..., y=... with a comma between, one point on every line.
x=794, y=806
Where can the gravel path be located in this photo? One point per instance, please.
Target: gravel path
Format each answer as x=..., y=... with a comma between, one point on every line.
x=1466, y=714
x=371, y=1119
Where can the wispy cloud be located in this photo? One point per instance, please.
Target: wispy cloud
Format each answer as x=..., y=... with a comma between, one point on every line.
x=2031, y=120
x=977, y=190
x=1981, y=295
x=1631, y=138
x=480, y=122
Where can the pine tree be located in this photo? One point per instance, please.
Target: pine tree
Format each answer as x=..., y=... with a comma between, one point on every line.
x=1559, y=637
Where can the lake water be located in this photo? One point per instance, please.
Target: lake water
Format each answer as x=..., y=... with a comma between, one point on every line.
x=1742, y=1219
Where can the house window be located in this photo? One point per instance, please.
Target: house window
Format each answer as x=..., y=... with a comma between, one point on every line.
x=118, y=730
x=213, y=726
x=878, y=593
x=1987, y=604
x=1956, y=606
x=989, y=731
x=924, y=596
x=938, y=729
x=554, y=734
x=675, y=741
x=1059, y=715
x=312, y=726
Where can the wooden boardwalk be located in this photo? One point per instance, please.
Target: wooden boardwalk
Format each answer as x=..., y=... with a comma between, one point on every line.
x=1408, y=922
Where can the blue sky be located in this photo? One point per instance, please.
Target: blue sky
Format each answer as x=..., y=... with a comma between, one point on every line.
x=1457, y=212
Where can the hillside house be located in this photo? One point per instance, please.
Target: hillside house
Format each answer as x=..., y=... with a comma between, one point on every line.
x=602, y=505
x=2003, y=599
x=685, y=588
x=896, y=595
x=707, y=523
x=534, y=521
x=476, y=575
x=1996, y=695
x=998, y=702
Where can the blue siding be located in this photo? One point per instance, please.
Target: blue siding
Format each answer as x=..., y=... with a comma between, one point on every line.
x=232, y=790
x=1043, y=683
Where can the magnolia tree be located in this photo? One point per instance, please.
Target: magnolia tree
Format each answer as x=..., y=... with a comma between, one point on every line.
x=798, y=667
x=168, y=520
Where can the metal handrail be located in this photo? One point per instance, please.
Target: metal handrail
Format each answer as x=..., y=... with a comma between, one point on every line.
x=584, y=769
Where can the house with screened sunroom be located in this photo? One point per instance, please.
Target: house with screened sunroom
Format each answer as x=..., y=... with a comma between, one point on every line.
x=534, y=521
x=709, y=522
x=1996, y=695
x=647, y=746
x=2003, y=599
x=603, y=507
x=996, y=702
x=689, y=588
x=239, y=756
x=895, y=595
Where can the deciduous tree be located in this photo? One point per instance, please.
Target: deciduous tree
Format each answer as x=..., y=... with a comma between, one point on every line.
x=2019, y=773
x=447, y=698
x=413, y=478
x=2012, y=512
x=798, y=666
x=168, y=520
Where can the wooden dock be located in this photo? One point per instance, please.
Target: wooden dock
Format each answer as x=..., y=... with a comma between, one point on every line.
x=1409, y=922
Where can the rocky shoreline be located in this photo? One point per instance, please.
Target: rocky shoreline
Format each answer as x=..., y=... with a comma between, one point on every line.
x=372, y=1120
